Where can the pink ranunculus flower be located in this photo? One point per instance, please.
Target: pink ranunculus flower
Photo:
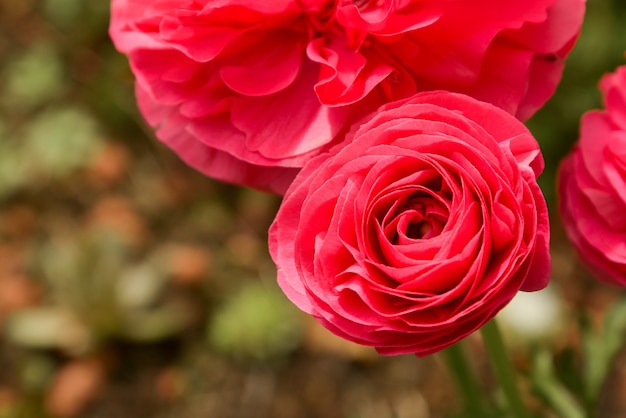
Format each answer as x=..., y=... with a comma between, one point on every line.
x=248, y=91
x=419, y=228
x=592, y=185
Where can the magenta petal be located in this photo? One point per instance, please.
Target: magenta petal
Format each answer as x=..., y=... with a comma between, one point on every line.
x=346, y=76
x=592, y=182
x=275, y=133
x=614, y=87
x=210, y=161
x=261, y=72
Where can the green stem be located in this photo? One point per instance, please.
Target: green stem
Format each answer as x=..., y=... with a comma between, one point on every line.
x=547, y=385
x=503, y=369
x=465, y=379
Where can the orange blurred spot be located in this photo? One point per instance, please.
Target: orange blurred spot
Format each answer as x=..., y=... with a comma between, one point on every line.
x=74, y=386
x=188, y=264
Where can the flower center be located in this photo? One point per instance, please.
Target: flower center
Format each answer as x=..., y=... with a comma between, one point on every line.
x=419, y=230
x=364, y=4
x=421, y=215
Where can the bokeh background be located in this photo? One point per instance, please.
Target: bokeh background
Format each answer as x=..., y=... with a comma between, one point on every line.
x=130, y=285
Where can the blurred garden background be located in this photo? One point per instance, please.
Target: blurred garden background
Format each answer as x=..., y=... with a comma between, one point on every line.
x=131, y=285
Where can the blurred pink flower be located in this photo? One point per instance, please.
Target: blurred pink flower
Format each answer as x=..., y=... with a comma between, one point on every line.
x=247, y=91
x=592, y=185
x=419, y=228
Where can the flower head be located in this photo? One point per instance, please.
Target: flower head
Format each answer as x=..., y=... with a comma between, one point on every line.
x=592, y=185
x=248, y=91
x=419, y=228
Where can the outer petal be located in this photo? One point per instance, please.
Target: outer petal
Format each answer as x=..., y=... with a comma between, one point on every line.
x=209, y=161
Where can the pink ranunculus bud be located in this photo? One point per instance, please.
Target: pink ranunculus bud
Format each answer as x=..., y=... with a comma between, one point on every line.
x=592, y=185
x=419, y=228
x=248, y=91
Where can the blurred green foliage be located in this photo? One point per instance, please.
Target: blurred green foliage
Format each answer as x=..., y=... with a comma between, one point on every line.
x=106, y=238
x=257, y=323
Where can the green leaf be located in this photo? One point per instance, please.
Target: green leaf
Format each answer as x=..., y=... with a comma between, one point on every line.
x=60, y=141
x=548, y=387
x=33, y=78
x=257, y=323
x=600, y=348
x=153, y=325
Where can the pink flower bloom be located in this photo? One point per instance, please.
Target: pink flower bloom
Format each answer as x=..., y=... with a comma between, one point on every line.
x=419, y=228
x=592, y=185
x=248, y=91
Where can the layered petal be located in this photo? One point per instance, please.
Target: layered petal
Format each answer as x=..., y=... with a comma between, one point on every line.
x=592, y=185
x=417, y=229
x=290, y=77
